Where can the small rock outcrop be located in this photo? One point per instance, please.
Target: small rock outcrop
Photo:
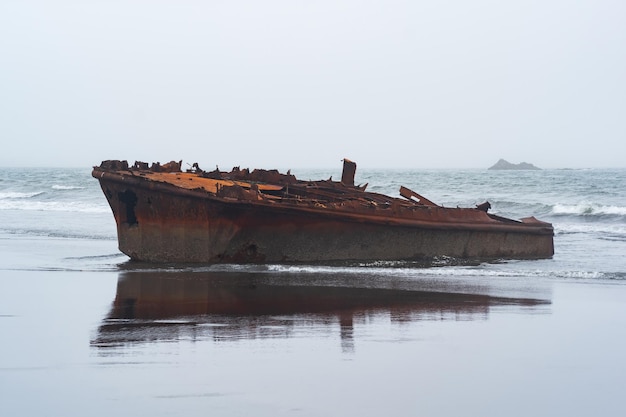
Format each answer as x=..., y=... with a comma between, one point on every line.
x=506, y=165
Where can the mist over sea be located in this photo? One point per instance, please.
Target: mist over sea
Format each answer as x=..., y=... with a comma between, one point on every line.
x=87, y=332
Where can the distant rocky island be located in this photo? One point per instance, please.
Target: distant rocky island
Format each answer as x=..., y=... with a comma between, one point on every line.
x=502, y=165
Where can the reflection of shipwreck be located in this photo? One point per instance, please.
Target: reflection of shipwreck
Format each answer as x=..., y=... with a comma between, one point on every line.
x=165, y=215
x=160, y=305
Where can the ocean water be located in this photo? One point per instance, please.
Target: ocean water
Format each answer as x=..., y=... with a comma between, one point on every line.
x=87, y=332
x=586, y=207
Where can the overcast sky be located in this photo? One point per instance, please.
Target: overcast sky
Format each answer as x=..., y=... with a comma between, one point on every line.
x=277, y=84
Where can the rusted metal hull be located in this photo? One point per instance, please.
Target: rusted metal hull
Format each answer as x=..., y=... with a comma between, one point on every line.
x=159, y=220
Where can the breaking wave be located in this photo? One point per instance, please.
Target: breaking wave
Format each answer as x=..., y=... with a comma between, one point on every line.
x=14, y=195
x=594, y=228
x=67, y=187
x=588, y=209
x=68, y=206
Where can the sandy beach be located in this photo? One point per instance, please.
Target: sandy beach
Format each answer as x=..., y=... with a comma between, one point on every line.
x=94, y=341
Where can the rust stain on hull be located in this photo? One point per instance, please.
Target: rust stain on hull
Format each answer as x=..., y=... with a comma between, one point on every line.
x=263, y=216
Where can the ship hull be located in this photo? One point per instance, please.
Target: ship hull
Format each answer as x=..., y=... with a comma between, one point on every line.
x=157, y=222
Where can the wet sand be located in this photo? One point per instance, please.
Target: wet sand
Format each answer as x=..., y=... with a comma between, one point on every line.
x=92, y=341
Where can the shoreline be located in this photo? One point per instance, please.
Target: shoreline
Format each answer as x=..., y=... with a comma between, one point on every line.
x=444, y=352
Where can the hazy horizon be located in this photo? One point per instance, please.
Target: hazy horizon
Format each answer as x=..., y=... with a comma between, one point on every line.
x=275, y=84
x=361, y=168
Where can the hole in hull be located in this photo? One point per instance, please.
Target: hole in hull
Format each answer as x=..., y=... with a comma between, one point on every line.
x=129, y=200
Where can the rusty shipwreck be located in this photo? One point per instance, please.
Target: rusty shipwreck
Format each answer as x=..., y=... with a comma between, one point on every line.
x=262, y=216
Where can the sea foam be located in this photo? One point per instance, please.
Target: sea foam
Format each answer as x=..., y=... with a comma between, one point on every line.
x=588, y=209
x=67, y=187
x=13, y=195
x=71, y=206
